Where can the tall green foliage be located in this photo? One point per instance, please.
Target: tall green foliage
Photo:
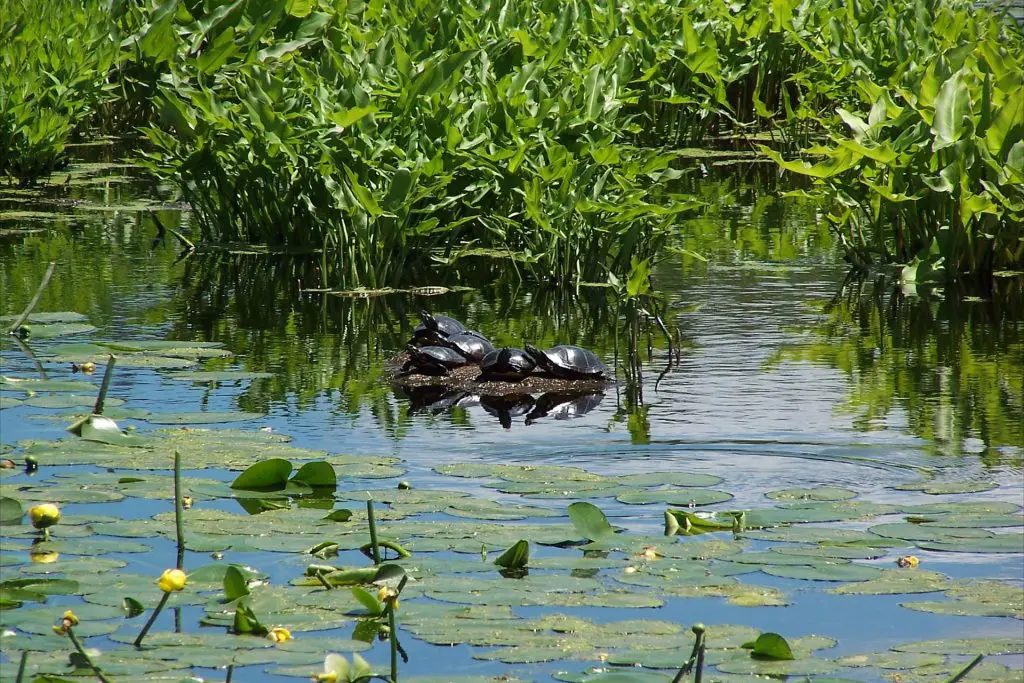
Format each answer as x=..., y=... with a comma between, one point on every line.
x=932, y=173
x=54, y=62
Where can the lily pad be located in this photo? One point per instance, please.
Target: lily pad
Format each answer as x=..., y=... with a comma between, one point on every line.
x=825, y=572
x=819, y=493
x=938, y=488
x=219, y=376
x=210, y=417
x=965, y=646
x=897, y=581
x=675, y=496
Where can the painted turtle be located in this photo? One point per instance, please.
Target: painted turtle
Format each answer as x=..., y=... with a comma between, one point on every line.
x=506, y=407
x=568, y=362
x=473, y=345
x=432, y=360
x=506, y=365
x=434, y=328
x=564, y=405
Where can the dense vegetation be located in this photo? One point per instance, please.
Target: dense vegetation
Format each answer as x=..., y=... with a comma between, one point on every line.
x=545, y=132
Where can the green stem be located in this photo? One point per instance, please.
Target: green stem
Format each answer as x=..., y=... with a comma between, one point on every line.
x=966, y=670
x=179, y=524
x=393, y=641
x=373, y=530
x=152, y=618
x=88, y=660
x=231, y=670
x=22, y=663
x=390, y=545
x=35, y=299
x=107, y=375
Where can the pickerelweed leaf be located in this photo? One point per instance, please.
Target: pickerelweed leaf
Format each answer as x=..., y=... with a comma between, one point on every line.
x=267, y=474
x=770, y=646
x=590, y=521
x=516, y=557
x=318, y=473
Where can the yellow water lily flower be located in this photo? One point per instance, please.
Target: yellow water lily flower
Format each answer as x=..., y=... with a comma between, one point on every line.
x=44, y=515
x=279, y=634
x=172, y=580
x=67, y=621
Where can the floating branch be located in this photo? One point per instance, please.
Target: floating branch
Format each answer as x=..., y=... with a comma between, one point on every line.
x=35, y=299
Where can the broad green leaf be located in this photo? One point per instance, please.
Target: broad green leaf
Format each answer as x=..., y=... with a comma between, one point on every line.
x=516, y=557
x=318, y=473
x=235, y=584
x=952, y=108
x=268, y=474
x=770, y=646
x=590, y=521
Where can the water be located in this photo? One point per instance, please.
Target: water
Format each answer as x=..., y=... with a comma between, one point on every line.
x=789, y=376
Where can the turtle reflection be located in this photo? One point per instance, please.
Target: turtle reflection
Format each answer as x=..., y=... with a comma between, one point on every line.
x=506, y=407
x=563, y=405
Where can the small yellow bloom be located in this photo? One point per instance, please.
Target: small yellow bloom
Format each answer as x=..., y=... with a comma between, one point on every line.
x=186, y=502
x=44, y=515
x=383, y=593
x=329, y=677
x=908, y=561
x=66, y=622
x=279, y=634
x=172, y=580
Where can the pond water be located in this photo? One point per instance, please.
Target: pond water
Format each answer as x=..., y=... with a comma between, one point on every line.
x=787, y=375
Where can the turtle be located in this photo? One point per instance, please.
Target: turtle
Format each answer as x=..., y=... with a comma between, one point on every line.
x=568, y=362
x=506, y=407
x=563, y=405
x=506, y=365
x=434, y=328
x=432, y=360
x=473, y=345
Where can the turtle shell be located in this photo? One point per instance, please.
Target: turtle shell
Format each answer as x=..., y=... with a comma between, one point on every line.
x=564, y=406
x=568, y=362
x=472, y=345
x=433, y=360
x=507, y=364
x=437, y=326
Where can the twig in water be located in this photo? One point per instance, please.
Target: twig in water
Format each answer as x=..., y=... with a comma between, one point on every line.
x=966, y=670
x=35, y=299
x=179, y=523
x=22, y=663
x=108, y=374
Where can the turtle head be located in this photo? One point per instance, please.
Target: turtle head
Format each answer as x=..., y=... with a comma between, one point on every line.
x=414, y=351
x=428, y=321
x=536, y=354
x=504, y=356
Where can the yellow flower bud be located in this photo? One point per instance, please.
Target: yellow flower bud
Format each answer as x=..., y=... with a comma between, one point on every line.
x=44, y=515
x=70, y=617
x=382, y=594
x=60, y=630
x=279, y=634
x=329, y=677
x=172, y=580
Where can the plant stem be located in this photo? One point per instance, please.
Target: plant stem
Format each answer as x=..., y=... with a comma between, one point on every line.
x=231, y=670
x=152, y=618
x=22, y=663
x=373, y=530
x=179, y=524
x=390, y=545
x=35, y=299
x=108, y=374
x=393, y=641
x=966, y=670
x=88, y=660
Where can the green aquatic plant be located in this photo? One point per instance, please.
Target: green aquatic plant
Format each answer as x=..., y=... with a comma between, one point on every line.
x=926, y=166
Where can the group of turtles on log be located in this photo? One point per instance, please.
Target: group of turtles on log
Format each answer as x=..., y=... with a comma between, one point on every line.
x=446, y=366
x=441, y=345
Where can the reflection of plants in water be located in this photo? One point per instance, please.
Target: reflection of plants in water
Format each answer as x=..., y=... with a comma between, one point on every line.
x=318, y=345
x=955, y=366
